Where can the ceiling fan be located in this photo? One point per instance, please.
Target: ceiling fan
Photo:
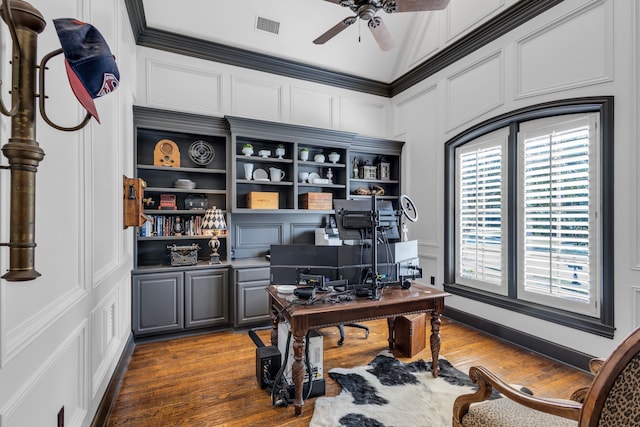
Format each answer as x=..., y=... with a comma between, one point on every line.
x=367, y=9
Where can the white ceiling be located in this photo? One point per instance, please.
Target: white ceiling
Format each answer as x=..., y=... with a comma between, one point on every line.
x=353, y=51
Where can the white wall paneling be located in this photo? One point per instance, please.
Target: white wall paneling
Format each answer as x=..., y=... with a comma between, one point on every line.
x=582, y=52
x=105, y=328
x=475, y=90
x=255, y=98
x=365, y=117
x=60, y=381
x=311, y=108
x=194, y=88
x=513, y=72
x=62, y=334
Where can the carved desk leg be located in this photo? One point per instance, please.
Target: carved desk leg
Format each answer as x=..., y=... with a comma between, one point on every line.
x=274, y=325
x=391, y=323
x=435, y=341
x=298, y=371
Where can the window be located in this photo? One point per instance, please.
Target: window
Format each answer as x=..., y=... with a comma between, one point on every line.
x=529, y=203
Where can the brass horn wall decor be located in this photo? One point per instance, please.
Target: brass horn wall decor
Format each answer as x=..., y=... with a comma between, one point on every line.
x=22, y=150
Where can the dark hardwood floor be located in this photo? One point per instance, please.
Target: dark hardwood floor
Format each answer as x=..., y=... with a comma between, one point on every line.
x=209, y=380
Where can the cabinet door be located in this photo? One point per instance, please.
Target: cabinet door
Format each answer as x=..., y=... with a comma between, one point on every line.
x=251, y=298
x=206, y=298
x=158, y=303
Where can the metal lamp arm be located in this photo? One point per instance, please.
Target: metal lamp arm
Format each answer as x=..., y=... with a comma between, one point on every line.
x=17, y=56
x=43, y=113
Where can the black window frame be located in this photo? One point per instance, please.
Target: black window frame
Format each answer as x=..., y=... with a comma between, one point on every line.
x=604, y=106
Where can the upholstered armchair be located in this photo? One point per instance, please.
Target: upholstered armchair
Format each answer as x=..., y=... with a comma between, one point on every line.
x=612, y=399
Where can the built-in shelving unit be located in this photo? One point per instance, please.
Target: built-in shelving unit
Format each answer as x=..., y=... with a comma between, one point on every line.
x=205, y=170
x=315, y=173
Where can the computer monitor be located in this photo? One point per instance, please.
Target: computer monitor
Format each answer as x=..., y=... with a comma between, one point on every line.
x=356, y=219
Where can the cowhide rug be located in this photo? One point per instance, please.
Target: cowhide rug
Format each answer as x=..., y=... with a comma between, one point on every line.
x=388, y=392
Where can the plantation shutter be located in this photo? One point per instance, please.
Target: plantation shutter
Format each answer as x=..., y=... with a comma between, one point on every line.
x=558, y=210
x=481, y=182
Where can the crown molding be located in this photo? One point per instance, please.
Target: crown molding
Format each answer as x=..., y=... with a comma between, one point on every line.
x=516, y=15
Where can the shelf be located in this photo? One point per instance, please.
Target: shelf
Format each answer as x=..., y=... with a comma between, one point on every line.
x=302, y=163
x=322, y=185
x=258, y=159
x=368, y=196
x=173, y=169
x=254, y=182
x=375, y=181
x=183, y=190
x=196, y=237
x=175, y=211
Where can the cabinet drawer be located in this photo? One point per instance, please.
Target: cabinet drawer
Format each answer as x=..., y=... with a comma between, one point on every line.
x=252, y=274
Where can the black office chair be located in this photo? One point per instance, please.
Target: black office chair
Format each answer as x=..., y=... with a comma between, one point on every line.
x=319, y=283
x=352, y=325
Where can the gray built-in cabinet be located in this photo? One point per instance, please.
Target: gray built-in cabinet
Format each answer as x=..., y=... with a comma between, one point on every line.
x=169, y=299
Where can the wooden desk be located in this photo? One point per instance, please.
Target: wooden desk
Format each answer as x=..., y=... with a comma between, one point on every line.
x=394, y=302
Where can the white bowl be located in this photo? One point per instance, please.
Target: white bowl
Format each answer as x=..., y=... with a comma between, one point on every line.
x=318, y=158
x=264, y=153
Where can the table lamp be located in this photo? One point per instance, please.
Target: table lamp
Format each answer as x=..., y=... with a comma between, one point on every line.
x=213, y=224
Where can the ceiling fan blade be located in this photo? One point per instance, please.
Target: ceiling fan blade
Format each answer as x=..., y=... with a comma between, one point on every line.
x=335, y=30
x=381, y=33
x=394, y=6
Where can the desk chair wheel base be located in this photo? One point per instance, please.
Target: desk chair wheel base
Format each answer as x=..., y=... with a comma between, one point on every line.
x=352, y=325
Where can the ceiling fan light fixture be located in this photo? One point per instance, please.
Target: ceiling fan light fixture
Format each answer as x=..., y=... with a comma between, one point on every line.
x=367, y=12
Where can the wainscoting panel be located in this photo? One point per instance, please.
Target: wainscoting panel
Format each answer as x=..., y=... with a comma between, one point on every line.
x=311, y=108
x=105, y=320
x=367, y=118
x=256, y=98
x=190, y=89
x=583, y=52
x=475, y=90
x=303, y=233
x=63, y=371
x=253, y=239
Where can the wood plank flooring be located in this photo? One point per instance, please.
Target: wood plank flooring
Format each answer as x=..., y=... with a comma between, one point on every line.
x=209, y=380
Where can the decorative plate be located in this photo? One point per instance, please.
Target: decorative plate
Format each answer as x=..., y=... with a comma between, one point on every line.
x=260, y=175
x=201, y=153
x=313, y=176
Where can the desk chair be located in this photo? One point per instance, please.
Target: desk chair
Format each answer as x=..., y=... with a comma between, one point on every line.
x=318, y=281
x=352, y=325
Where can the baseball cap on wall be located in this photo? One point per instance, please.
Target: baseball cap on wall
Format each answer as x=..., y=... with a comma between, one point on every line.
x=91, y=68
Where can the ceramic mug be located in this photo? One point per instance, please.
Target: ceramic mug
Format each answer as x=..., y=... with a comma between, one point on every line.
x=276, y=174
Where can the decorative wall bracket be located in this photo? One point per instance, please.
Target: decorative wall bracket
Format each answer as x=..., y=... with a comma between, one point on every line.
x=22, y=150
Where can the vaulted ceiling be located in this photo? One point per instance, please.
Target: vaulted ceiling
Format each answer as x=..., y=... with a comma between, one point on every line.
x=277, y=36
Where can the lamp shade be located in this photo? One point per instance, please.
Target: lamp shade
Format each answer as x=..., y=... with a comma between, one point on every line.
x=213, y=221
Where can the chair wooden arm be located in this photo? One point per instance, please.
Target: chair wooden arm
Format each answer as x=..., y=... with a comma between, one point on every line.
x=487, y=381
x=594, y=366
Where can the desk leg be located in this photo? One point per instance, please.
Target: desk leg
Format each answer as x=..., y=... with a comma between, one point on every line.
x=435, y=342
x=391, y=323
x=298, y=371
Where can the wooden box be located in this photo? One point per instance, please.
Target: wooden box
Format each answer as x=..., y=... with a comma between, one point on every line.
x=262, y=200
x=321, y=201
x=410, y=334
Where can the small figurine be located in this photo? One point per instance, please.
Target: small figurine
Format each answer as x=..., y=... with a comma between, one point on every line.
x=355, y=167
x=177, y=226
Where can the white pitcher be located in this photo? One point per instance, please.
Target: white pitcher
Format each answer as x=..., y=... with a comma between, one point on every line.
x=276, y=174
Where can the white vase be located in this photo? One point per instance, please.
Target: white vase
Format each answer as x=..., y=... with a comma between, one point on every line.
x=304, y=155
x=248, y=171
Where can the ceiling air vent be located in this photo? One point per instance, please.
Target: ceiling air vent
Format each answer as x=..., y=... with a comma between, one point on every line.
x=267, y=25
